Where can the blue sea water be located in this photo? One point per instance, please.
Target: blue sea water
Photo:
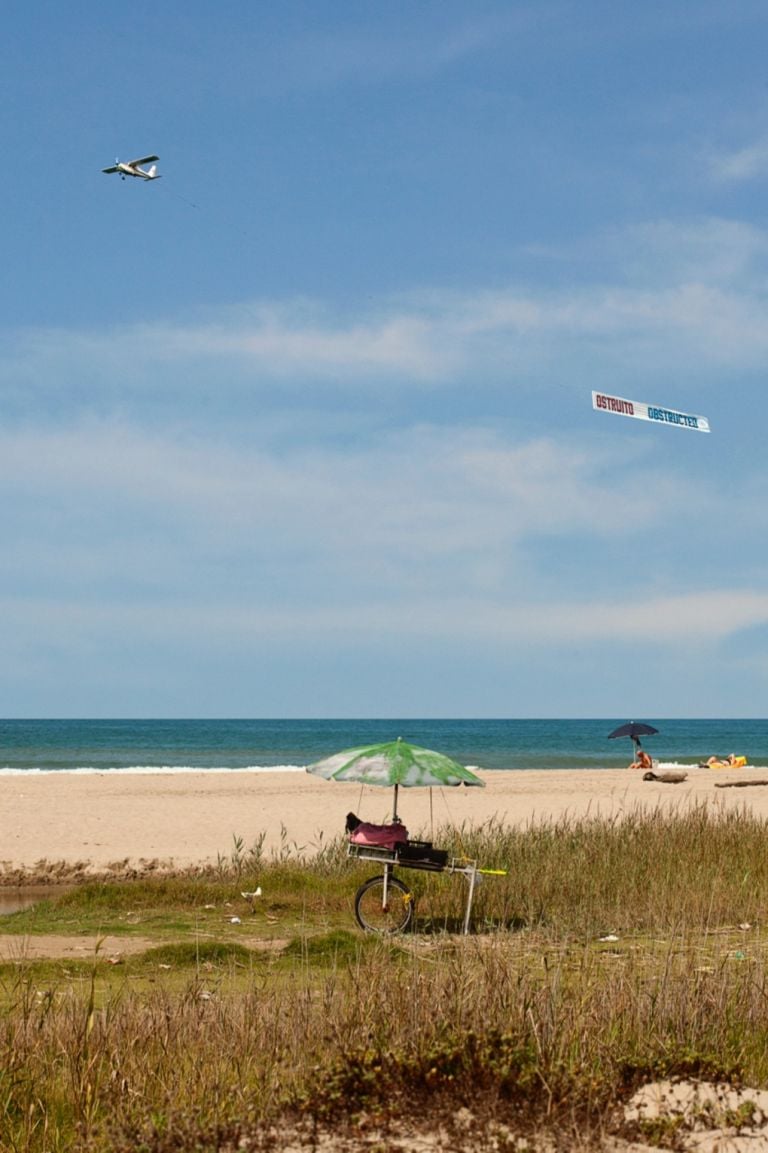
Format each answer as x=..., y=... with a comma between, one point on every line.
x=175, y=745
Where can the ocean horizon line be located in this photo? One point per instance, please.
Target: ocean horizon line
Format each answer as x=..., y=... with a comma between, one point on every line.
x=191, y=745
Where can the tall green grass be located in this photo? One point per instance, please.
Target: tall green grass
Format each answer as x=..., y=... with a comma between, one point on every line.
x=511, y=1030
x=645, y=871
x=536, y=1022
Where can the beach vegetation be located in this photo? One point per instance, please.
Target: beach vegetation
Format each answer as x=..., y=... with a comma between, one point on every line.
x=613, y=953
x=187, y=954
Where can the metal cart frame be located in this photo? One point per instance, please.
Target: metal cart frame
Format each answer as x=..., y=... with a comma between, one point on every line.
x=391, y=859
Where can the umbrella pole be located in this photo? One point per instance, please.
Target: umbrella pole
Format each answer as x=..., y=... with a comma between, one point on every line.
x=394, y=807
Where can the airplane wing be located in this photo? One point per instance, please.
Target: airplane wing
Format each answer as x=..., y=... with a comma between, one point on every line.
x=114, y=168
x=144, y=160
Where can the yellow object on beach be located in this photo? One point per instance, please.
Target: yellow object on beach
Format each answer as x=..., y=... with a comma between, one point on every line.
x=731, y=763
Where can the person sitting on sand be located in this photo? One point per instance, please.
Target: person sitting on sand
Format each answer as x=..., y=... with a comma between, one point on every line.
x=643, y=761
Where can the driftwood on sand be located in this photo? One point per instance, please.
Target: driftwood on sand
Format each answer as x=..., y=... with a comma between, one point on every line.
x=737, y=784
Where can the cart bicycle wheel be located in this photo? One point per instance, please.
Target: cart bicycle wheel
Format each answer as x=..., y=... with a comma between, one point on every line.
x=377, y=915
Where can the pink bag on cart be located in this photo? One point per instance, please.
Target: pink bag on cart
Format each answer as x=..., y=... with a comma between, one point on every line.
x=379, y=836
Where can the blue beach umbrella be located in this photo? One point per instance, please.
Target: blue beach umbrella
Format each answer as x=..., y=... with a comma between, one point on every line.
x=633, y=729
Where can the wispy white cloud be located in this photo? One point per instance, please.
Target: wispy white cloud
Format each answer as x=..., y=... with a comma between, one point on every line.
x=442, y=512
x=692, y=622
x=713, y=250
x=171, y=547
x=411, y=51
x=441, y=336
x=696, y=293
x=742, y=164
x=474, y=482
x=693, y=617
x=283, y=340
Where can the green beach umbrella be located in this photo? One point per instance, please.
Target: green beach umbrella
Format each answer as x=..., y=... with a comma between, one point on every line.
x=393, y=764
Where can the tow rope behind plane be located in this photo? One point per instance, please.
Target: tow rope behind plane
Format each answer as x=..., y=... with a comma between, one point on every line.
x=134, y=168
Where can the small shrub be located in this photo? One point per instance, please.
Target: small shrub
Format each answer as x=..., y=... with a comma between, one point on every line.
x=190, y=953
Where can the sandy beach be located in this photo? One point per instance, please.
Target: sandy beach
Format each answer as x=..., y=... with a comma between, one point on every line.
x=192, y=818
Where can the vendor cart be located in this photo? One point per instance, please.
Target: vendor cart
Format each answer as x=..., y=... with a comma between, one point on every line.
x=385, y=904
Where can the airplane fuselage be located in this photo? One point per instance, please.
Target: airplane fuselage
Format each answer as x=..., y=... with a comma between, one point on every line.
x=133, y=168
x=127, y=170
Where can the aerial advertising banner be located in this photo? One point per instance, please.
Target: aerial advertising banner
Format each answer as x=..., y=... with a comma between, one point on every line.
x=640, y=411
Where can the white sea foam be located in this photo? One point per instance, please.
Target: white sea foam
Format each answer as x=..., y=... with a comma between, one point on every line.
x=137, y=770
x=169, y=770
x=683, y=766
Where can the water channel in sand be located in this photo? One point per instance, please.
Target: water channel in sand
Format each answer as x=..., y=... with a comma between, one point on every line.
x=24, y=897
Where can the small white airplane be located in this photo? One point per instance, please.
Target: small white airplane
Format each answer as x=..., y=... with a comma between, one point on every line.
x=133, y=168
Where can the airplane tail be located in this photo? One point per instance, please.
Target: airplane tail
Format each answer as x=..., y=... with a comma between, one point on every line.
x=152, y=173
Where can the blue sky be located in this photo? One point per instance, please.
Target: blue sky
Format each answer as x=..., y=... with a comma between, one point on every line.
x=305, y=427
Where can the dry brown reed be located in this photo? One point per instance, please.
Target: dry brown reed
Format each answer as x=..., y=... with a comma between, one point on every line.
x=643, y=870
x=543, y=1025
x=510, y=1029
